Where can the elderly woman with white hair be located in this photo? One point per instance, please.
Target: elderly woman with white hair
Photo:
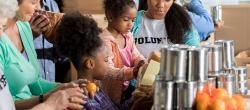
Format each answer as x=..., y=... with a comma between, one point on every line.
x=7, y=10
x=18, y=62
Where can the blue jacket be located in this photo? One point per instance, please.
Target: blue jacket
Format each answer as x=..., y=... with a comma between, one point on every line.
x=201, y=19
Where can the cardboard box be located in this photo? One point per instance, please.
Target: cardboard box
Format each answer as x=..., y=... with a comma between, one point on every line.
x=84, y=6
x=237, y=26
x=248, y=70
x=243, y=59
x=89, y=7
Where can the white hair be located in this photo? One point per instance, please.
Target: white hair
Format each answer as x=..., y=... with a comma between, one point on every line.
x=8, y=8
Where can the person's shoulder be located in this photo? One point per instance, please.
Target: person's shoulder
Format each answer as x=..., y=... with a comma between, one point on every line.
x=137, y=22
x=23, y=23
x=107, y=36
x=140, y=14
x=192, y=37
x=128, y=36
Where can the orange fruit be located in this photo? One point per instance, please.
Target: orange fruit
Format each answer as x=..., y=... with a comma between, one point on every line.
x=91, y=87
x=218, y=104
x=209, y=87
x=231, y=104
x=219, y=93
x=202, y=101
x=241, y=102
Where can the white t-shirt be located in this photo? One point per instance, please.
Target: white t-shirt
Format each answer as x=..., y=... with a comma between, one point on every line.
x=151, y=35
x=6, y=101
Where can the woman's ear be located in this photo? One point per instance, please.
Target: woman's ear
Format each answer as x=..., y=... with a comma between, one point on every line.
x=89, y=63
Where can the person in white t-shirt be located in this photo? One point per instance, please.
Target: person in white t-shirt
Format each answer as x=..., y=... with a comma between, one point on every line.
x=164, y=22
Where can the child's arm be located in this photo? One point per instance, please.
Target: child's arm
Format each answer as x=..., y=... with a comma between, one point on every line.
x=117, y=70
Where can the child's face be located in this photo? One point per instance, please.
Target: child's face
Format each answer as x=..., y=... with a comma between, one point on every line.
x=101, y=64
x=125, y=22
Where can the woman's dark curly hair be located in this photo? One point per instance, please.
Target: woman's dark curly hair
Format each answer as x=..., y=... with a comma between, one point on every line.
x=78, y=37
x=114, y=8
x=177, y=21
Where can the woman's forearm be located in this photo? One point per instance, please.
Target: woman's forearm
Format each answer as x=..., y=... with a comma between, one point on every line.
x=43, y=106
x=25, y=104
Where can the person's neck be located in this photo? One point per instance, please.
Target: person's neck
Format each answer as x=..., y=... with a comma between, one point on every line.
x=10, y=23
x=86, y=75
x=113, y=31
x=11, y=28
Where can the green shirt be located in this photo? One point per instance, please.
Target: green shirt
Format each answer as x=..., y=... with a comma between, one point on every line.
x=22, y=74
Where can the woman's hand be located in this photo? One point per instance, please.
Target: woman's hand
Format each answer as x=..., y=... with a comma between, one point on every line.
x=70, y=98
x=39, y=22
x=81, y=83
x=219, y=24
